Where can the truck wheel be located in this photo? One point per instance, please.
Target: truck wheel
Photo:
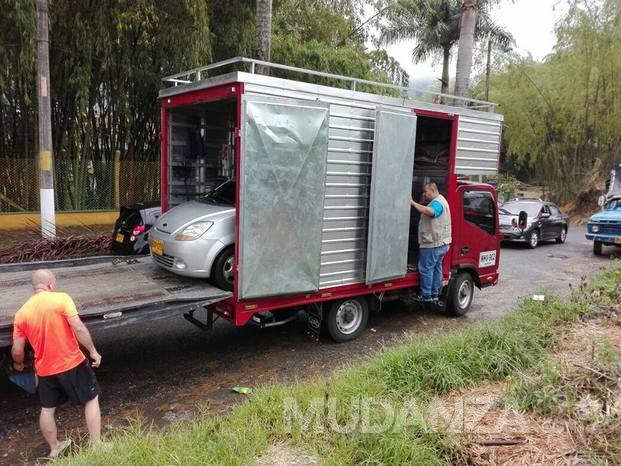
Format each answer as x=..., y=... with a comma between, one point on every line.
x=532, y=240
x=222, y=270
x=460, y=294
x=347, y=318
x=561, y=239
x=597, y=248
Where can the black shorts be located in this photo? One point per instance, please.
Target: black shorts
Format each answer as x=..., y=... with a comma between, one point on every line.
x=78, y=386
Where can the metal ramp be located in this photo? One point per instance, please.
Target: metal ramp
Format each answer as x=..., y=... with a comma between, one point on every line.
x=111, y=292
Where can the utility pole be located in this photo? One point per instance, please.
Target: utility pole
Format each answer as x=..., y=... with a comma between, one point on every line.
x=488, y=69
x=46, y=159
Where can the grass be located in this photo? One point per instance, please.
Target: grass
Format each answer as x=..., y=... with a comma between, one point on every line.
x=412, y=372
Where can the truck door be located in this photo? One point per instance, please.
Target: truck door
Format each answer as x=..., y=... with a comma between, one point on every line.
x=475, y=231
x=391, y=186
x=284, y=149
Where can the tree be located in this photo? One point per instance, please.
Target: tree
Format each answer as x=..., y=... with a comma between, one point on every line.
x=466, y=47
x=264, y=32
x=434, y=25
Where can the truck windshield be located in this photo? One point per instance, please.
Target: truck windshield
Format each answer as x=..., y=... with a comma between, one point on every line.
x=223, y=194
x=514, y=208
x=614, y=204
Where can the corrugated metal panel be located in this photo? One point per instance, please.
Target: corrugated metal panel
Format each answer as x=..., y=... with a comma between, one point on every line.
x=350, y=153
x=478, y=144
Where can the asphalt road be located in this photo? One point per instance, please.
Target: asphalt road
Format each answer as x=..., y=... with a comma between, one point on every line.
x=162, y=371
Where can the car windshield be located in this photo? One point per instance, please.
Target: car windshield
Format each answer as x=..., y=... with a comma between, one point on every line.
x=223, y=194
x=514, y=208
x=614, y=204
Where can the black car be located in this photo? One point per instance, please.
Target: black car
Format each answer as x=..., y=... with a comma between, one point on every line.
x=131, y=229
x=545, y=222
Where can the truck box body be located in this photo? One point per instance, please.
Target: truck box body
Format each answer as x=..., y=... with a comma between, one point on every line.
x=324, y=177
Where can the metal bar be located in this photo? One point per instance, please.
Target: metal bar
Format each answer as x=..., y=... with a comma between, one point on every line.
x=353, y=81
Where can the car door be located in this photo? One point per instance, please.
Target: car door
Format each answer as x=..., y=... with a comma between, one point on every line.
x=547, y=223
x=557, y=220
x=475, y=232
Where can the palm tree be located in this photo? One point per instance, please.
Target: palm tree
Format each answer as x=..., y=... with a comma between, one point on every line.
x=466, y=46
x=435, y=26
x=264, y=32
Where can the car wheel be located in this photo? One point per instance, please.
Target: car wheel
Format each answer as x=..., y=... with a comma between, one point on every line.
x=460, y=294
x=347, y=318
x=597, y=248
x=561, y=239
x=532, y=240
x=222, y=274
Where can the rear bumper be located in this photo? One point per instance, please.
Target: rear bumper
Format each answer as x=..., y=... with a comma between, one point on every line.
x=606, y=239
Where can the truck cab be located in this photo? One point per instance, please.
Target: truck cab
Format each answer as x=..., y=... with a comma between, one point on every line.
x=604, y=228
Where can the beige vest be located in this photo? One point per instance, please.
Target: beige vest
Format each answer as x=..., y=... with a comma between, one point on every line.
x=435, y=231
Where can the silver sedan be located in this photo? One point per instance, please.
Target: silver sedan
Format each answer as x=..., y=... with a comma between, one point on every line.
x=196, y=239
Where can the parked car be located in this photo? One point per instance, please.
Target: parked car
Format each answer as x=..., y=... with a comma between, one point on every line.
x=545, y=222
x=605, y=226
x=131, y=229
x=196, y=238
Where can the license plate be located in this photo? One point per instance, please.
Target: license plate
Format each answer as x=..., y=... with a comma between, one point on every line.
x=618, y=240
x=119, y=237
x=157, y=247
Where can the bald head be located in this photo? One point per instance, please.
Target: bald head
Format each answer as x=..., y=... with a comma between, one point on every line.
x=43, y=280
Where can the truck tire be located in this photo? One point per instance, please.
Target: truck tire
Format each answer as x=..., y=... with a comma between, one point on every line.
x=460, y=294
x=597, y=248
x=561, y=239
x=222, y=274
x=532, y=239
x=347, y=318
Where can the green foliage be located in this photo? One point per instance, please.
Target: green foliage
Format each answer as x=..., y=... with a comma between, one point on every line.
x=564, y=114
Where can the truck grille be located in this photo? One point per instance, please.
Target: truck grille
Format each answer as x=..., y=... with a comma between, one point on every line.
x=165, y=260
x=612, y=228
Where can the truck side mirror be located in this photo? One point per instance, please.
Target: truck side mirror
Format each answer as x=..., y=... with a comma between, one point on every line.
x=522, y=220
x=601, y=201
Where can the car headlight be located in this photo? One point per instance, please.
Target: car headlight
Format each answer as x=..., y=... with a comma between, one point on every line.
x=594, y=228
x=193, y=231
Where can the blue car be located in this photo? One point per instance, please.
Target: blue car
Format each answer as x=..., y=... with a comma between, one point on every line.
x=604, y=228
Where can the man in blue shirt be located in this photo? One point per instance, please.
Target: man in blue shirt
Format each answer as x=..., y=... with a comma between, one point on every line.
x=434, y=238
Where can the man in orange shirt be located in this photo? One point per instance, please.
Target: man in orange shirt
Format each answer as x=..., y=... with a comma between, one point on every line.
x=49, y=321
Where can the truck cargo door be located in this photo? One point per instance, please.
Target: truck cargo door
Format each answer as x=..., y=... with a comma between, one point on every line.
x=284, y=148
x=391, y=186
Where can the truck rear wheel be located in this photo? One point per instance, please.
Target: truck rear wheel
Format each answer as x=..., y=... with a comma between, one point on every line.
x=460, y=294
x=597, y=248
x=347, y=318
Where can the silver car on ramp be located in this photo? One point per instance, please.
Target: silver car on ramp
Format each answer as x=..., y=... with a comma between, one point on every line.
x=196, y=239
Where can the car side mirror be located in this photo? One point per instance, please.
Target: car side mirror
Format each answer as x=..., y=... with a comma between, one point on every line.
x=545, y=214
x=601, y=201
x=522, y=220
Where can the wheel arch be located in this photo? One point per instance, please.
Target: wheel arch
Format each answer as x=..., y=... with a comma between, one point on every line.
x=468, y=268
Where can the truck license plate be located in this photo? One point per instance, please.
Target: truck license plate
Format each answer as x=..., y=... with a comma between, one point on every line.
x=618, y=240
x=119, y=237
x=157, y=247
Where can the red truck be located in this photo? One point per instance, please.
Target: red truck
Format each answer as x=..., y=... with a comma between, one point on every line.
x=321, y=219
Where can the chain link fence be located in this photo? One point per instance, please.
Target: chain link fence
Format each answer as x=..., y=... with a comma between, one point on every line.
x=80, y=185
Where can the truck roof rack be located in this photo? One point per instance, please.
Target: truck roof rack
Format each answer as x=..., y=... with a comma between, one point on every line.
x=197, y=74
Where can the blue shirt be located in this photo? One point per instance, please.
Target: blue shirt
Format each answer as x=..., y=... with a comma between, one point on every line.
x=436, y=207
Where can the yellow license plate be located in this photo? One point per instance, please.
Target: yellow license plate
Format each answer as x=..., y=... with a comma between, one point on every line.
x=119, y=237
x=618, y=240
x=157, y=247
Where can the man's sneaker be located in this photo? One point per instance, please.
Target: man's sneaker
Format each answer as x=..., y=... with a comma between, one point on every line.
x=424, y=299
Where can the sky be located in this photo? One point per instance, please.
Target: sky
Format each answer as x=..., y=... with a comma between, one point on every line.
x=530, y=21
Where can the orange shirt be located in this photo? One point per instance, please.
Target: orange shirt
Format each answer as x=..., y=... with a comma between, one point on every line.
x=43, y=321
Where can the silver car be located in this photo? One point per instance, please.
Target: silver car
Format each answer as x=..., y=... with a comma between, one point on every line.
x=196, y=239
